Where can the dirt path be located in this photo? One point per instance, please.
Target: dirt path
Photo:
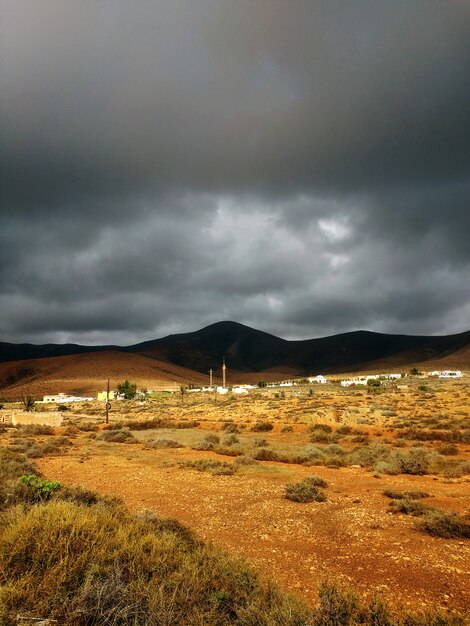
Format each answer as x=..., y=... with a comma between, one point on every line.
x=351, y=538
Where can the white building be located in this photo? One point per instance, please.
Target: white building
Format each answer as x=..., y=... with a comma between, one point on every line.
x=239, y=390
x=450, y=374
x=317, y=379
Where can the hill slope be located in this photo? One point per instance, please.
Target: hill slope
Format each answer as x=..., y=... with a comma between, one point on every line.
x=250, y=354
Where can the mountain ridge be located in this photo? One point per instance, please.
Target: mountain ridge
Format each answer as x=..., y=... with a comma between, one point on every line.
x=250, y=350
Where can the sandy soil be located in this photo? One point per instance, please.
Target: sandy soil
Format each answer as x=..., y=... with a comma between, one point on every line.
x=352, y=538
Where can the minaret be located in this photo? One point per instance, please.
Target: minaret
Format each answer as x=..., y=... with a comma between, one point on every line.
x=210, y=378
x=224, y=368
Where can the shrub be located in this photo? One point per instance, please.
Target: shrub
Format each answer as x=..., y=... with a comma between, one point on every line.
x=217, y=468
x=262, y=426
x=448, y=449
x=230, y=428
x=304, y=491
x=87, y=427
x=36, y=429
x=414, y=461
x=244, y=459
x=265, y=454
x=166, y=443
x=323, y=428
x=118, y=436
x=413, y=495
x=408, y=506
x=32, y=488
x=260, y=442
x=211, y=438
x=287, y=429
x=316, y=481
x=230, y=440
x=448, y=525
x=105, y=566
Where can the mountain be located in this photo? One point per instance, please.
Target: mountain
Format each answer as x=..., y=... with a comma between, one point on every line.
x=249, y=353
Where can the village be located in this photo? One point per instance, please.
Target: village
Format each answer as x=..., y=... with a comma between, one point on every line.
x=373, y=380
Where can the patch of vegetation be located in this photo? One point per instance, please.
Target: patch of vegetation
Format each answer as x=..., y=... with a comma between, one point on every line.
x=127, y=389
x=118, y=436
x=166, y=443
x=413, y=495
x=157, y=422
x=32, y=488
x=29, y=403
x=35, y=429
x=305, y=491
x=448, y=525
x=408, y=506
x=262, y=426
x=338, y=607
x=35, y=450
x=217, y=468
x=229, y=427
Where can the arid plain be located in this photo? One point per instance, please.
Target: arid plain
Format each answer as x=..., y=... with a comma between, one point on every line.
x=394, y=459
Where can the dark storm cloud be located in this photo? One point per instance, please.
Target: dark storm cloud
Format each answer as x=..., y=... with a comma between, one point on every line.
x=301, y=167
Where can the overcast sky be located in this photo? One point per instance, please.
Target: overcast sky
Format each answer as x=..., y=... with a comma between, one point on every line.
x=300, y=166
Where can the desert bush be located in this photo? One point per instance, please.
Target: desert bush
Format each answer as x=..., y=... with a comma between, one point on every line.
x=316, y=481
x=118, y=436
x=93, y=573
x=408, y=506
x=36, y=429
x=244, y=459
x=166, y=443
x=230, y=440
x=320, y=428
x=211, y=438
x=265, y=454
x=304, y=491
x=229, y=427
x=413, y=495
x=113, y=426
x=414, y=461
x=262, y=426
x=159, y=423
x=287, y=429
x=448, y=449
x=315, y=454
x=448, y=525
x=260, y=442
x=218, y=468
x=321, y=436
x=344, y=430
x=364, y=438
x=87, y=427
x=338, y=607
x=79, y=495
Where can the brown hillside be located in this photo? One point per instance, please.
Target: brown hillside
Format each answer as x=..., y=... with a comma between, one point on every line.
x=85, y=374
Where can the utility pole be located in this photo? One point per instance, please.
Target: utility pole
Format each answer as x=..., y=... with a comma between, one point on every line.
x=108, y=405
x=210, y=378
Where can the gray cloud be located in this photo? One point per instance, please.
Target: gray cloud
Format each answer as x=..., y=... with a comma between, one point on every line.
x=302, y=168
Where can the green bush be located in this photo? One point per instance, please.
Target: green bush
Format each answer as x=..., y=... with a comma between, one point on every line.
x=443, y=524
x=32, y=488
x=408, y=506
x=305, y=491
